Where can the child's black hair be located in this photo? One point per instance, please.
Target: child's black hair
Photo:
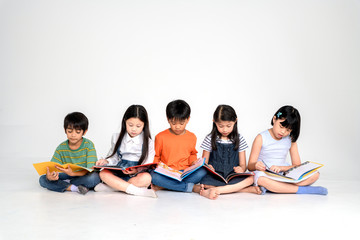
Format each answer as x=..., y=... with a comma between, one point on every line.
x=178, y=110
x=76, y=120
x=225, y=113
x=135, y=111
x=292, y=120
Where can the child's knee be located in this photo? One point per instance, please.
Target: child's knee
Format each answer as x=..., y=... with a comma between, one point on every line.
x=144, y=178
x=104, y=174
x=262, y=181
x=94, y=178
x=43, y=180
x=202, y=172
x=250, y=179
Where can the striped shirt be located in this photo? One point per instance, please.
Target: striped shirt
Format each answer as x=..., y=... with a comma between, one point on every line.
x=206, y=144
x=84, y=156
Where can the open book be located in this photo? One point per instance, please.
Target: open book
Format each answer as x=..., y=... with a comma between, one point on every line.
x=41, y=167
x=227, y=178
x=295, y=174
x=164, y=169
x=139, y=167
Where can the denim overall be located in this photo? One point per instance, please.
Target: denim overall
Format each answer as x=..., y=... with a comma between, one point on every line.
x=223, y=159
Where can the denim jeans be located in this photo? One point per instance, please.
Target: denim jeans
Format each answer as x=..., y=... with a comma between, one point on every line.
x=186, y=185
x=89, y=180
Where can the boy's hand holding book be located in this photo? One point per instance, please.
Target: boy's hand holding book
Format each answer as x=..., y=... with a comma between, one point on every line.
x=52, y=176
x=67, y=170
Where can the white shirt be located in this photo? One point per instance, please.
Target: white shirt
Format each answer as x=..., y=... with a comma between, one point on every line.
x=130, y=149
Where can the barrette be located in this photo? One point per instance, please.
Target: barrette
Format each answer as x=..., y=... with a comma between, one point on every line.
x=279, y=114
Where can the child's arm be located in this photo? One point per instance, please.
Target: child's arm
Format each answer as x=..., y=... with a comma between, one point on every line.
x=158, y=149
x=70, y=172
x=294, y=154
x=91, y=158
x=254, y=164
x=113, y=160
x=151, y=153
x=242, y=163
x=206, y=155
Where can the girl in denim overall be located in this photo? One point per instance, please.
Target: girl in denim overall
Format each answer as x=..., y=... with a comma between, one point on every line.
x=224, y=150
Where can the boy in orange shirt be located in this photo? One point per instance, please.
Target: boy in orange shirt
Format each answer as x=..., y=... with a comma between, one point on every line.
x=176, y=148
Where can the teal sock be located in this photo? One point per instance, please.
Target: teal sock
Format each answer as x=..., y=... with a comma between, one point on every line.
x=312, y=190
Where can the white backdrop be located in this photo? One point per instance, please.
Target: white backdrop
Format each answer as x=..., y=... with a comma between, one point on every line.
x=99, y=57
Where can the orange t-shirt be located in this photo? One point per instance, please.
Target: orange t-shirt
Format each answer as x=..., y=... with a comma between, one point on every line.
x=176, y=151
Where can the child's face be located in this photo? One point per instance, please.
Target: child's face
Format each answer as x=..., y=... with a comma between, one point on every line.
x=74, y=135
x=279, y=130
x=134, y=126
x=178, y=126
x=225, y=128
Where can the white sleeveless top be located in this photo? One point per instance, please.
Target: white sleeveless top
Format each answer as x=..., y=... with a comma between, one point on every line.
x=274, y=152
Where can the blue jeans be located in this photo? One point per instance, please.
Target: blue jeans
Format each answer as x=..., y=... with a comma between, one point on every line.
x=186, y=185
x=89, y=180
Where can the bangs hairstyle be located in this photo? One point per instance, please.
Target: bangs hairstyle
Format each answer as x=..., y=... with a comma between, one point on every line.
x=135, y=111
x=292, y=120
x=225, y=113
x=76, y=120
x=178, y=110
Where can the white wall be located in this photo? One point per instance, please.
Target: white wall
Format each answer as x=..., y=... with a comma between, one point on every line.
x=99, y=57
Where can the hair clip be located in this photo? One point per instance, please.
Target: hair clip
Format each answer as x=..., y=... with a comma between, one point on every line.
x=279, y=114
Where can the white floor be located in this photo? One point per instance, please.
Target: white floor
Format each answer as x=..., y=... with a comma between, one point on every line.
x=30, y=212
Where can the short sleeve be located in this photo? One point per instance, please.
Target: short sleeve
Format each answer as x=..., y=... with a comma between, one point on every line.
x=206, y=144
x=242, y=144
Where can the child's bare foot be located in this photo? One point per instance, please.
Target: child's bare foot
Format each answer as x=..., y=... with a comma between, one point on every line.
x=210, y=193
x=156, y=188
x=251, y=189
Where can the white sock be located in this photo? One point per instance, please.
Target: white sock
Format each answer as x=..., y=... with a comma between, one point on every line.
x=102, y=187
x=131, y=189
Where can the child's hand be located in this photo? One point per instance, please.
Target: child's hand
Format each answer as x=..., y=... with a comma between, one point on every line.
x=238, y=169
x=211, y=167
x=130, y=171
x=260, y=166
x=276, y=169
x=67, y=171
x=52, y=176
x=101, y=162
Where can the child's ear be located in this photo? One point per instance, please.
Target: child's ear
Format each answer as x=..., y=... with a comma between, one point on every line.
x=273, y=120
x=187, y=120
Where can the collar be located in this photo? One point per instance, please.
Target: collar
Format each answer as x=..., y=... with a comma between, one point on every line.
x=138, y=139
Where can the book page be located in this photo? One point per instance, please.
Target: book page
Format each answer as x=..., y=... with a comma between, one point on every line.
x=298, y=172
x=168, y=171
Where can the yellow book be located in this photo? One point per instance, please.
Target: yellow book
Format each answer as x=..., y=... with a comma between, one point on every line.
x=41, y=167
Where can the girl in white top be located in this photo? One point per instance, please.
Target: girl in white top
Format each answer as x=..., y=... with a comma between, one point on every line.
x=133, y=146
x=270, y=149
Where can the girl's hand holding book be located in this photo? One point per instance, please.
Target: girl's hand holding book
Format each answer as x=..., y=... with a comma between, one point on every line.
x=131, y=171
x=101, y=162
x=260, y=166
x=238, y=169
x=211, y=167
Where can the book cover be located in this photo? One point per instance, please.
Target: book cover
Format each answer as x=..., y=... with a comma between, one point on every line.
x=41, y=167
x=164, y=169
x=139, y=167
x=228, y=177
x=295, y=174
